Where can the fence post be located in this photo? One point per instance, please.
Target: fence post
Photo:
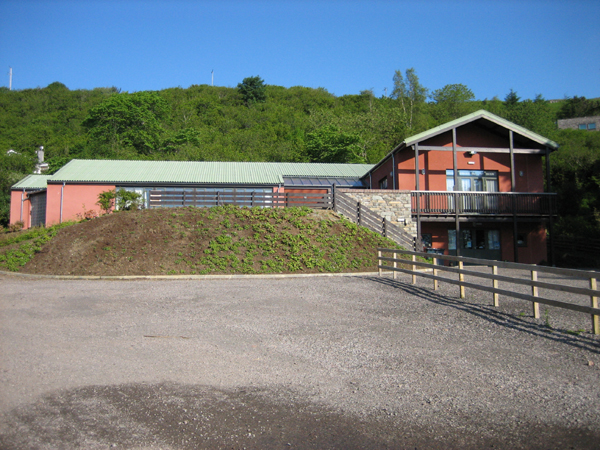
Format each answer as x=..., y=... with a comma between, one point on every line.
x=594, y=304
x=333, y=196
x=358, y=213
x=435, y=272
x=252, y=199
x=217, y=198
x=414, y=277
x=495, y=285
x=384, y=227
x=379, y=262
x=395, y=264
x=461, y=279
x=534, y=292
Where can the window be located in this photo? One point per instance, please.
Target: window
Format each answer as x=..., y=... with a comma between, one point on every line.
x=582, y=126
x=473, y=180
x=383, y=184
x=427, y=240
x=475, y=239
x=591, y=126
x=493, y=237
x=451, y=239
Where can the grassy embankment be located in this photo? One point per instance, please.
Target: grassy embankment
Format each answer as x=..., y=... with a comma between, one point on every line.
x=219, y=240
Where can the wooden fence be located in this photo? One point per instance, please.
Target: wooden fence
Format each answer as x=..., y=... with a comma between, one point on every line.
x=160, y=198
x=592, y=293
x=363, y=216
x=575, y=251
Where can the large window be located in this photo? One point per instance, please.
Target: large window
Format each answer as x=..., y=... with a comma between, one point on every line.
x=473, y=180
x=475, y=239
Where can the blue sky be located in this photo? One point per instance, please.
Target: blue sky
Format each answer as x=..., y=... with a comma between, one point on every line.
x=546, y=47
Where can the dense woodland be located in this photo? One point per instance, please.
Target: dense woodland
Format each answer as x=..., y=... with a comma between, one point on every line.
x=259, y=122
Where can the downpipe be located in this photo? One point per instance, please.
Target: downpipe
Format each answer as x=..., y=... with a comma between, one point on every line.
x=22, y=200
x=62, y=194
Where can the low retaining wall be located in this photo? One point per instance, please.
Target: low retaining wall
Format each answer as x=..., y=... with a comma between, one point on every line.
x=395, y=206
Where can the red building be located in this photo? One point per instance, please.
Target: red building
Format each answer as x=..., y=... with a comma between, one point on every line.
x=477, y=187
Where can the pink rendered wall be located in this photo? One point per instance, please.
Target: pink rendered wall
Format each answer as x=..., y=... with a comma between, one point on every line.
x=15, y=208
x=77, y=198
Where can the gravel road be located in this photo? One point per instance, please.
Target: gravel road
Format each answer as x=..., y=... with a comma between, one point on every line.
x=342, y=362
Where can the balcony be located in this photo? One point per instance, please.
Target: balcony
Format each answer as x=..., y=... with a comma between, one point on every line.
x=444, y=203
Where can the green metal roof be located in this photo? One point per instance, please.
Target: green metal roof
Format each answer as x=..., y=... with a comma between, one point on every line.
x=199, y=172
x=31, y=182
x=480, y=115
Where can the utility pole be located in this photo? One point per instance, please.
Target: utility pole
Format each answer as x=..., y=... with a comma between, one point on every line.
x=212, y=77
x=10, y=78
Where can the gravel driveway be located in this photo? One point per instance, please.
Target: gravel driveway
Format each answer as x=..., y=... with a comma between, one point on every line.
x=342, y=362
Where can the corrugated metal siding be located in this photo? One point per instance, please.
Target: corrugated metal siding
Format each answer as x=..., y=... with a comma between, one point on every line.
x=199, y=172
x=38, y=209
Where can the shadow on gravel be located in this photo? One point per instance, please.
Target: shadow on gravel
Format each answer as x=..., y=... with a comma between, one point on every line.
x=490, y=314
x=174, y=416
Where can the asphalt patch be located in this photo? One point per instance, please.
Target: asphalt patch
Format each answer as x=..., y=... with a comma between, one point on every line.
x=175, y=416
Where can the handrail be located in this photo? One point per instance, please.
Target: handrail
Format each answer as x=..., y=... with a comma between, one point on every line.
x=363, y=216
x=486, y=203
x=550, y=194
x=592, y=292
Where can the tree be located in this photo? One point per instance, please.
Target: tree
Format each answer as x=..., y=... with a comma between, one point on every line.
x=330, y=145
x=410, y=93
x=511, y=99
x=578, y=107
x=121, y=200
x=128, y=120
x=176, y=141
x=575, y=169
x=253, y=90
x=13, y=167
x=451, y=102
x=535, y=115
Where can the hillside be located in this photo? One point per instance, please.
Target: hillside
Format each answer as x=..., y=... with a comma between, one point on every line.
x=219, y=240
x=214, y=123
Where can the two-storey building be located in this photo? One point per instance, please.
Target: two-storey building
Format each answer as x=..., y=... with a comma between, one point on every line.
x=477, y=187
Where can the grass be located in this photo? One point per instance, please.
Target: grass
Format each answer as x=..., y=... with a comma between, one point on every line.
x=223, y=239
x=29, y=243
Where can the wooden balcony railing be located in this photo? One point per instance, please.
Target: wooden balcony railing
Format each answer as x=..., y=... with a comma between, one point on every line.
x=483, y=203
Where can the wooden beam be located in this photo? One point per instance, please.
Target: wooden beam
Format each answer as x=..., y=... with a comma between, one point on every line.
x=454, y=162
x=417, y=167
x=393, y=172
x=525, y=151
x=512, y=161
x=548, y=184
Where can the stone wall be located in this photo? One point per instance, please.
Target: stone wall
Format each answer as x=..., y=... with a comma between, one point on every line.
x=575, y=122
x=395, y=206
